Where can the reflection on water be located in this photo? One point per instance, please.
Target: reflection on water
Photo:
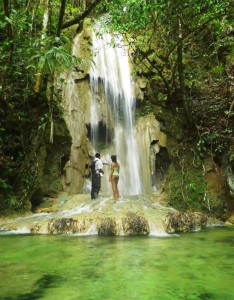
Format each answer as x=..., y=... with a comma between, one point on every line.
x=189, y=266
x=43, y=283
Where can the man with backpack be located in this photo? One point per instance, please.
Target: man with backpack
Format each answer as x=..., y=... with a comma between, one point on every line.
x=97, y=172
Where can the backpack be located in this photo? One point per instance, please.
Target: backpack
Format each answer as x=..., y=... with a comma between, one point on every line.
x=92, y=166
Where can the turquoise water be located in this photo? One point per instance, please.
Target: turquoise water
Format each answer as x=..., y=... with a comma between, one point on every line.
x=189, y=266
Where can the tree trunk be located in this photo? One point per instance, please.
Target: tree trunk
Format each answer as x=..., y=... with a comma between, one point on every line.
x=46, y=18
x=7, y=14
x=81, y=17
x=9, y=34
x=45, y=26
x=33, y=18
x=50, y=97
x=180, y=69
x=61, y=15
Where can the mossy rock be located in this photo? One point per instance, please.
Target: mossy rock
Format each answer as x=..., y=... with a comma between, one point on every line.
x=107, y=227
x=176, y=222
x=135, y=224
x=64, y=225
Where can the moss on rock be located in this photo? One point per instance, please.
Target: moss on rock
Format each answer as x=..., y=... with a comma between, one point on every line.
x=64, y=225
x=107, y=227
x=176, y=222
x=135, y=224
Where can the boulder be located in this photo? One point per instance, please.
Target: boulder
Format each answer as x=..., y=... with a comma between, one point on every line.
x=176, y=222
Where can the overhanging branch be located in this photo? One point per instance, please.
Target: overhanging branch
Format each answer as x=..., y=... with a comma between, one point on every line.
x=81, y=17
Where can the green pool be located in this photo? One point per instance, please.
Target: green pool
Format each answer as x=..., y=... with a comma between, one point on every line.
x=189, y=266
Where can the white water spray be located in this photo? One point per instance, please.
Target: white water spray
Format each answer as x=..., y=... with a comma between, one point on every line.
x=111, y=68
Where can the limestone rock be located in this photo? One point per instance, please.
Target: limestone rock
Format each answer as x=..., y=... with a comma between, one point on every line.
x=64, y=225
x=231, y=218
x=107, y=227
x=47, y=205
x=131, y=216
x=230, y=179
x=184, y=222
x=135, y=224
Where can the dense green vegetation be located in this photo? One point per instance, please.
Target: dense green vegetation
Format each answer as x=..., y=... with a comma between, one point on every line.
x=184, y=49
x=32, y=51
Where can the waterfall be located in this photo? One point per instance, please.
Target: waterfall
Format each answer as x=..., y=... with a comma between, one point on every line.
x=99, y=110
x=111, y=72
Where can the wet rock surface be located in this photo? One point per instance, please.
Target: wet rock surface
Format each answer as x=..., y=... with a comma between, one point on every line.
x=176, y=222
x=135, y=224
x=132, y=215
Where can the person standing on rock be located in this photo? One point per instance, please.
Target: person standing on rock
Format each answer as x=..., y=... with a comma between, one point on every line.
x=114, y=176
x=97, y=173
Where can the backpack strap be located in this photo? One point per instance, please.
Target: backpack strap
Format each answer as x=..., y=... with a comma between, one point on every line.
x=93, y=166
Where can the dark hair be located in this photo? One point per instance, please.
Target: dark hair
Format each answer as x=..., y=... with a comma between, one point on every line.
x=97, y=155
x=114, y=158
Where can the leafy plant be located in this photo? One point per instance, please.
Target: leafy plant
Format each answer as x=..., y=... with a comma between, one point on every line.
x=188, y=190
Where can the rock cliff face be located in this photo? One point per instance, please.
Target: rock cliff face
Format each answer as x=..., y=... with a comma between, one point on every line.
x=76, y=108
x=50, y=163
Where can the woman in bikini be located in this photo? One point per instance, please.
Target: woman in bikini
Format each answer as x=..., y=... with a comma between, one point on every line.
x=114, y=176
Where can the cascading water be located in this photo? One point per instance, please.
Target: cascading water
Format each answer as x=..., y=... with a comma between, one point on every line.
x=111, y=70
